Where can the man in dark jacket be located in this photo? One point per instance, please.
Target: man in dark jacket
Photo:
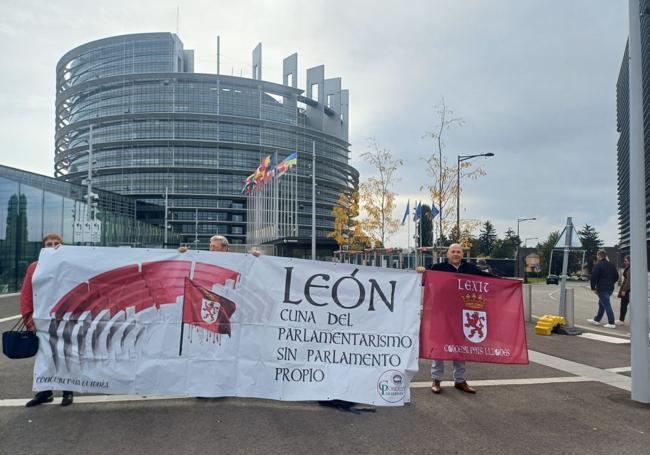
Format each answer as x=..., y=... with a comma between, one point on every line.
x=453, y=264
x=603, y=278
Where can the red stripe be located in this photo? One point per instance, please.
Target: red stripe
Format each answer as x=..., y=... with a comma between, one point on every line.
x=157, y=284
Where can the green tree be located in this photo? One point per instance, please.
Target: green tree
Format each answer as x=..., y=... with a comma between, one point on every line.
x=544, y=250
x=427, y=227
x=486, y=238
x=591, y=242
x=507, y=247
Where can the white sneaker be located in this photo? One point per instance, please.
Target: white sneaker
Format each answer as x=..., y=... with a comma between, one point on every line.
x=620, y=323
x=593, y=322
x=609, y=326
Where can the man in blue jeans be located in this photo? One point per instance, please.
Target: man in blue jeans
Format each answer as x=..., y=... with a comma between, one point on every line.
x=603, y=278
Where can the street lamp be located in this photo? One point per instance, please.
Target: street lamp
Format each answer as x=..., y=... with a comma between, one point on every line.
x=462, y=158
x=529, y=238
x=520, y=220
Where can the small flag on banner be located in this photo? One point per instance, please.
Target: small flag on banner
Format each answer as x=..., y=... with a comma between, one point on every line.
x=206, y=309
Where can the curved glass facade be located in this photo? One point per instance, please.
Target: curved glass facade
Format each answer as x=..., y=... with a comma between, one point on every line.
x=158, y=128
x=33, y=205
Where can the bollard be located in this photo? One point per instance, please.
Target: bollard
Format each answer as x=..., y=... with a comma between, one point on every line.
x=569, y=316
x=527, y=299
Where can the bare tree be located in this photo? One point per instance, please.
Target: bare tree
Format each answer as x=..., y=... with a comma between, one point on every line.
x=377, y=197
x=445, y=190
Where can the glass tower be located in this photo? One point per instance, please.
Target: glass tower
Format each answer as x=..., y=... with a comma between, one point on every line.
x=168, y=137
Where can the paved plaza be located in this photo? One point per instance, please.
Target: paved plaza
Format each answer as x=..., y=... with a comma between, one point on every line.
x=573, y=397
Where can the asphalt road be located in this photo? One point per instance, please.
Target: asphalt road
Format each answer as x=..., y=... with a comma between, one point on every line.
x=546, y=300
x=572, y=398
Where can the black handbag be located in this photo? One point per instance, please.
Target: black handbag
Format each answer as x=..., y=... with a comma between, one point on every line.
x=19, y=343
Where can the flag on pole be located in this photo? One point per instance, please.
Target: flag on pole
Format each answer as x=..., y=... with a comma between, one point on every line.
x=434, y=211
x=249, y=184
x=418, y=211
x=286, y=164
x=270, y=170
x=206, y=309
x=406, y=212
x=291, y=160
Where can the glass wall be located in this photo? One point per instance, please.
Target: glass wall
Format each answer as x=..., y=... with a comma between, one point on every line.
x=29, y=213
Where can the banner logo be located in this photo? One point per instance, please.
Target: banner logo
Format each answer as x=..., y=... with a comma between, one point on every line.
x=475, y=325
x=392, y=386
x=209, y=311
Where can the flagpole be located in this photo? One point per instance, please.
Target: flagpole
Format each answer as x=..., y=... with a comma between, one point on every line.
x=276, y=203
x=313, y=201
x=415, y=233
x=420, y=236
x=180, y=344
x=408, y=227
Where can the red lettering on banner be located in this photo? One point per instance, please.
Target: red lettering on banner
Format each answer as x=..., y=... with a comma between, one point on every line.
x=465, y=317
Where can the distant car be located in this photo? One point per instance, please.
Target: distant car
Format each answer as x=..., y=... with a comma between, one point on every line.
x=552, y=279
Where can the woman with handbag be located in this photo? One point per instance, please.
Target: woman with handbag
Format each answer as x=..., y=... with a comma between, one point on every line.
x=27, y=309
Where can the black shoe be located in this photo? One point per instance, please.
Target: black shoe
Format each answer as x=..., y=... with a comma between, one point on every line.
x=40, y=398
x=67, y=398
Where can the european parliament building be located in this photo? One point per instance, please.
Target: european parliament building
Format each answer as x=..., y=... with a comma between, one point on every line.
x=182, y=143
x=623, y=127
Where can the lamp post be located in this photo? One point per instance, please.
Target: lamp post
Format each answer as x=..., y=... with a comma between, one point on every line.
x=462, y=158
x=529, y=238
x=520, y=220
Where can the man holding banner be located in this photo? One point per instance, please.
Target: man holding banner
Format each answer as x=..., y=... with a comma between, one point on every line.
x=469, y=315
x=453, y=264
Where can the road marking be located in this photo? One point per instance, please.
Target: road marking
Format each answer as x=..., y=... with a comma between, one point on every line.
x=18, y=402
x=89, y=399
x=605, y=338
x=523, y=381
x=620, y=369
x=10, y=318
x=579, y=369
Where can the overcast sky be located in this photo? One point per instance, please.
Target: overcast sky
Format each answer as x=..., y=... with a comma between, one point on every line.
x=534, y=80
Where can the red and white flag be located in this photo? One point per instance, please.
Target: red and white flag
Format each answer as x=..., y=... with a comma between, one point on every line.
x=472, y=317
x=206, y=309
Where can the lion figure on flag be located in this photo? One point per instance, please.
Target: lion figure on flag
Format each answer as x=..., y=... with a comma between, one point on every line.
x=475, y=323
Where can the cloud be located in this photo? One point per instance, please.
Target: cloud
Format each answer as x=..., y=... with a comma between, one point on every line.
x=535, y=82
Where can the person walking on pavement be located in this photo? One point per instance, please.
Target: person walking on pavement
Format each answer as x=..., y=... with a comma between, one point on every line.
x=624, y=291
x=453, y=264
x=603, y=278
x=27, y=310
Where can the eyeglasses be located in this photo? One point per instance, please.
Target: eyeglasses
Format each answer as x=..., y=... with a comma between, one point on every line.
x=52, y=244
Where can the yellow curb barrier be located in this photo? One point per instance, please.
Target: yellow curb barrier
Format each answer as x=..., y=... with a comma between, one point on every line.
x=547, y=323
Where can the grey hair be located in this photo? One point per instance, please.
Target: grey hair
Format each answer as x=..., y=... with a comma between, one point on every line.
x=219, y=238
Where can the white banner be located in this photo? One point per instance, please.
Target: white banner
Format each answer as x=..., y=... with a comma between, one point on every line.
x=159, y=322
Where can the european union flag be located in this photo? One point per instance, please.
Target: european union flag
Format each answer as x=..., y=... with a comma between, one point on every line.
x=434, y=211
